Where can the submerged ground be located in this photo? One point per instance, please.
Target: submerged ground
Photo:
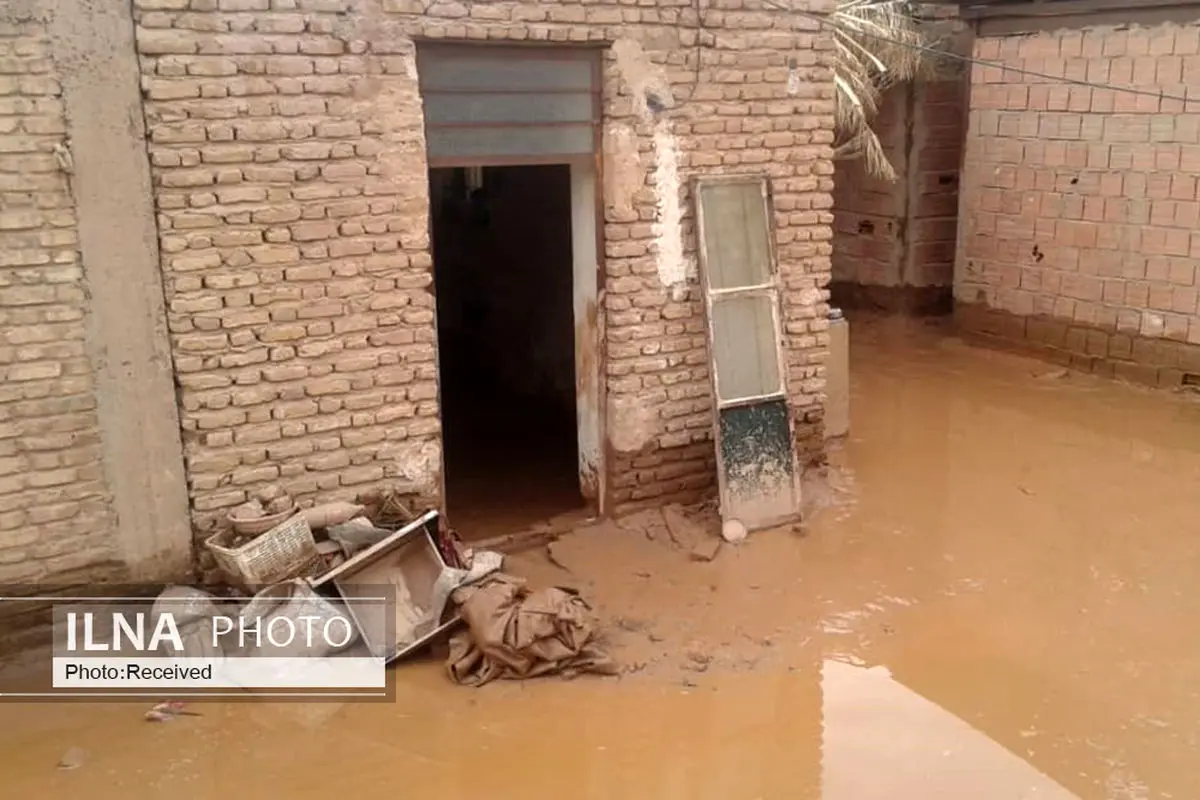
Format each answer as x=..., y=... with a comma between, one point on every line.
x=998, y=600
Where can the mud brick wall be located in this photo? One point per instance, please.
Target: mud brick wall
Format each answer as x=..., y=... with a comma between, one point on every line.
x=54, y=513
x=894, y=241
x=91, y=477
x=1079, y=205
x=939, y=124
x=869, y=212
x=292, y=213
x=290, y=177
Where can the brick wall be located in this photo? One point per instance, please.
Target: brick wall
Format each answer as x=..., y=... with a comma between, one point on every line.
x=939, y=122
x=1079, y=205
x=869, y=212
x=894, y=241
x=289, y=171
x=55, y=517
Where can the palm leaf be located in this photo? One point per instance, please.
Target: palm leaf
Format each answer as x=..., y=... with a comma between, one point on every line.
x=879, y=43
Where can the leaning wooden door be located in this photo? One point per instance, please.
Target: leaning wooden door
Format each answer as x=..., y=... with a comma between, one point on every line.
x=756, y=456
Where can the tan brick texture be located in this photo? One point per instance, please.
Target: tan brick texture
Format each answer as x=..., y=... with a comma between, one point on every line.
x=55, y=518
x=869, y=212
x=290, y=177
x=1079, y=204
x=939, y=119
x=894, y=241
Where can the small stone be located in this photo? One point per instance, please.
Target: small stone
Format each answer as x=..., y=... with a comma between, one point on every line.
x=251, y=510
x=680, y=528
x=279, y=505
x=706, y=549
x=72, y=759
x=269, y=494
x=553, y=557
x=733, y=530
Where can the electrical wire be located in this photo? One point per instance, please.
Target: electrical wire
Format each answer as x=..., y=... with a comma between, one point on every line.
x=826, y=19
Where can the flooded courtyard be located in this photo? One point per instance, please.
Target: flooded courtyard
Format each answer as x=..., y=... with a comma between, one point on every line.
x=993, y=597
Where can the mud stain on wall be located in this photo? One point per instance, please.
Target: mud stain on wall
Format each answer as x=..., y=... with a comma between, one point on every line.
x=632, y=423
x=624, y=174
x=652, y=99
x=672, y=264
x=646, y=80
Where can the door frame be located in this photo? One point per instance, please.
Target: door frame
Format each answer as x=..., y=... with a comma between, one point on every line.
x=587, y=262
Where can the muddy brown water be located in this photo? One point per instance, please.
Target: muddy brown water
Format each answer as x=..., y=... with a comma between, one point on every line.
x=997, y=600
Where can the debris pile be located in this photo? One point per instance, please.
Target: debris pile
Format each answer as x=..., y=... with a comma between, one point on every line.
x=165, y=712
x=513, y=632
x=257, y=516
x=696, y=531
x=297, y=563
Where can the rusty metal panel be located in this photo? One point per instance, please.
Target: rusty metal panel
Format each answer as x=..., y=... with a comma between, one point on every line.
x=508, y=104
x=508, y=107
x=758, y=474
x=509, y=140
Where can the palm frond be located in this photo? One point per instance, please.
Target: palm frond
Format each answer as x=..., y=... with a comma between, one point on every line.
x=879, y=43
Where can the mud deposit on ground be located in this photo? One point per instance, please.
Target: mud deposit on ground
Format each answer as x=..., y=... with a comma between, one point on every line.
x=997, y=600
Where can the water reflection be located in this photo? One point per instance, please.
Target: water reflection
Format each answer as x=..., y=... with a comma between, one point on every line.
x=883, y=740
x=835, y=731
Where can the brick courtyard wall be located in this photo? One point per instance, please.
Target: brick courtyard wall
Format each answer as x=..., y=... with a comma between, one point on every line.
x=91, y=473
x=894, y=241
x=1079, y=205
x=869, y=212
x=939, y=124
x=289, y=171
x=55, y=516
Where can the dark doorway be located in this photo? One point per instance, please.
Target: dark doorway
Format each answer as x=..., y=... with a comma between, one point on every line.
x=506, y=337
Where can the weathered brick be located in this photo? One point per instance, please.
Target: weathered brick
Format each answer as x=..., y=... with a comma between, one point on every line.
x=49, y=433
x=1083, y=211
x=152, y=42
x=291, y=192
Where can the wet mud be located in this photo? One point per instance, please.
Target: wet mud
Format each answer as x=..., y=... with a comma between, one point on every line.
x=993, y=596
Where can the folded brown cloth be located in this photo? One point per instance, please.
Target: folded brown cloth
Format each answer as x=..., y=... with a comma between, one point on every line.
x=512, y=632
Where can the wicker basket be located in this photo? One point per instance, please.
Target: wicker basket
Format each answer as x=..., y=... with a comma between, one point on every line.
x=283, y=552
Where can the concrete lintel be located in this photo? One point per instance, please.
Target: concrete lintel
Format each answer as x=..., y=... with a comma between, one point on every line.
x=95, y=58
